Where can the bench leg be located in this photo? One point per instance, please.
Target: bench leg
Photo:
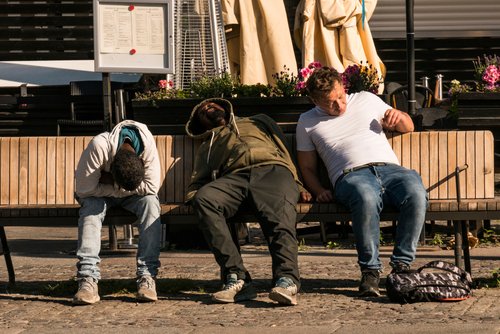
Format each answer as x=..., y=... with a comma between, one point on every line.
x=113, y=241
x=458, y=243
x=465, y=245
x=6, y=255
x=322, y=232
x=462, y=254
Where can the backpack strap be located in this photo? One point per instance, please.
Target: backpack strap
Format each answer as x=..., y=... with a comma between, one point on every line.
x=446, y=266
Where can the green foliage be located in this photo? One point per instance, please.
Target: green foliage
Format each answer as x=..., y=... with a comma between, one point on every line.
x=490, y=237
x=381, y=239
x=488, y=282
x=219, y=85
x=162, y=94
x=359, y=77
x=216, y=85
x=437, y=240
x=257, y=90
x=285, y=83
x=456, y=88
x=302, y=245
x=332, y=245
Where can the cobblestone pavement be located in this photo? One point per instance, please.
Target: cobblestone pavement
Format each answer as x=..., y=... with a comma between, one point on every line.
x=328, y=302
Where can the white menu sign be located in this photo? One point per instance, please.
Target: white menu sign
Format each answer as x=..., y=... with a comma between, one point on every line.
x=134, y=36
x=132, y=29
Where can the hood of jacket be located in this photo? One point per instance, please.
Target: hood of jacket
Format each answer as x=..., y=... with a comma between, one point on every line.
x=193, y=127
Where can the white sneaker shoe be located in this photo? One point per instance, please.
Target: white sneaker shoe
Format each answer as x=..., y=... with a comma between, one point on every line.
x=87, y=292
x=284, y=292
x=234, y=290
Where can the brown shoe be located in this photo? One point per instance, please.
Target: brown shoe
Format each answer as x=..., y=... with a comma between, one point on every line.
x=146, y=289
x=370, y=280
x=87, y=292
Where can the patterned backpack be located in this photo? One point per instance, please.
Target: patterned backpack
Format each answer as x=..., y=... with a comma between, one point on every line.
x=436, y=281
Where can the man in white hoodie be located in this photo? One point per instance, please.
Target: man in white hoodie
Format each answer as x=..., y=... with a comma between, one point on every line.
x=118, y=168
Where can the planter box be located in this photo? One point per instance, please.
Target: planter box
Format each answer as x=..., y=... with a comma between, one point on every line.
x=481, y=111
x=170, y=116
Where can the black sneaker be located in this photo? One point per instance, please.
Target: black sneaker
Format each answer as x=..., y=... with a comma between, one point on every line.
x=370, y=280
x=399, y=267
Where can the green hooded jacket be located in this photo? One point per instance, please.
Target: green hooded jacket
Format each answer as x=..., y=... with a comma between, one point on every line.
x=241, y=144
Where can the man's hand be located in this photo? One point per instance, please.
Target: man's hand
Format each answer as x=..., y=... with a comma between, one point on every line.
x=106, y=178
x=392, y=117
x=325, y=196
x=397, y=120
x=305, y=197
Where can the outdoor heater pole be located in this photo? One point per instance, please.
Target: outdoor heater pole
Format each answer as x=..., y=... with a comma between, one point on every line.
x=410, y=57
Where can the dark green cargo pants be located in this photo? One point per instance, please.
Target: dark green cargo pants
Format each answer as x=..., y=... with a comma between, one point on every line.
x=271, y=192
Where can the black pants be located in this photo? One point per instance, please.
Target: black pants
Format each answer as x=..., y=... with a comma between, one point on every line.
x=272, y=193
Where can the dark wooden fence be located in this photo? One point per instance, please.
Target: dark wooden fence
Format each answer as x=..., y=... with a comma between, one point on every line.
x=451, y=57
x=46, y=30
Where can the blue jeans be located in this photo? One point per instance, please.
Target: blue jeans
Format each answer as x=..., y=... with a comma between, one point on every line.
x=92, y=213
x=365, y=192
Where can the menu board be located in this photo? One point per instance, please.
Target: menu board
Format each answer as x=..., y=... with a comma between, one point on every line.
x=133, y=36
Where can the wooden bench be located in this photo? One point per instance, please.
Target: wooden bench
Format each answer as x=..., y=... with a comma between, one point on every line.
x=37, y=182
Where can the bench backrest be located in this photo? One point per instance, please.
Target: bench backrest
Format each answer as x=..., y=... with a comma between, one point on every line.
x=40, y=170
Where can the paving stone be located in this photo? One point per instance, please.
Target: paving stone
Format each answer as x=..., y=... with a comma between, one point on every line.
x=328, y=301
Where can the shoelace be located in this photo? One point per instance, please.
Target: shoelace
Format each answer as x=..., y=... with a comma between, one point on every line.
x=86, y=285
x=371, y=274
x=231, y=284
x=285, y=284
x=145, y=282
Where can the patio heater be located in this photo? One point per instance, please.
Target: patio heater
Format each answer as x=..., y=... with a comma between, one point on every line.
x=200, y=41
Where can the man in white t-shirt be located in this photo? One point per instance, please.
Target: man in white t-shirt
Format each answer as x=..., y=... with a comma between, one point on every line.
x=346, y=132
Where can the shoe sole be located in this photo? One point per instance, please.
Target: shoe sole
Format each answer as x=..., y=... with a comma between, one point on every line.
x=145, y=298
x=85, y=302
x=282, y=298
x=369, y=293
x=244, y=295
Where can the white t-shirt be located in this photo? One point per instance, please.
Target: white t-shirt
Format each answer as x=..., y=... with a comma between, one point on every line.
x=353, y=139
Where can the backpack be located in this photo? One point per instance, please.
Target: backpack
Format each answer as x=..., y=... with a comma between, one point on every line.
x=436, y=281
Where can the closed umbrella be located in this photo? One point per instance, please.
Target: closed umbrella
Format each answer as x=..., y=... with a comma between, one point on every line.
x=336, y=33
x=258, y=39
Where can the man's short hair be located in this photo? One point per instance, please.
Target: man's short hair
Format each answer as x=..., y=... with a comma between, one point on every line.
x=127, y=169
x=322, y=81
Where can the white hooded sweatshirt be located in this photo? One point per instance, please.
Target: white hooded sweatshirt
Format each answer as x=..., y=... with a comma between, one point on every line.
x=98, y=156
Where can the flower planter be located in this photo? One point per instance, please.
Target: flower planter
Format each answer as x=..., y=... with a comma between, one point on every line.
x=170, y=116
x=481, y=111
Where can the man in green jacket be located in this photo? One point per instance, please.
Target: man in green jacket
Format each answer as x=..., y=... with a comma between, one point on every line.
x=245, y=160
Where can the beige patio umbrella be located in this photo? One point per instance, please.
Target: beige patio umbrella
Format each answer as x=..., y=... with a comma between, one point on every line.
x=335, y=33
x=258, y=39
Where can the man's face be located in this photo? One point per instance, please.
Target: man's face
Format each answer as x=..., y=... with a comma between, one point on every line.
x=333, y=103
x=211, y=115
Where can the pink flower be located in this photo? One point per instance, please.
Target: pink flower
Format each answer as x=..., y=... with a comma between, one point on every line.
x=162, y=84
x=491, y=75
x=315, y=65
x=301, y=85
